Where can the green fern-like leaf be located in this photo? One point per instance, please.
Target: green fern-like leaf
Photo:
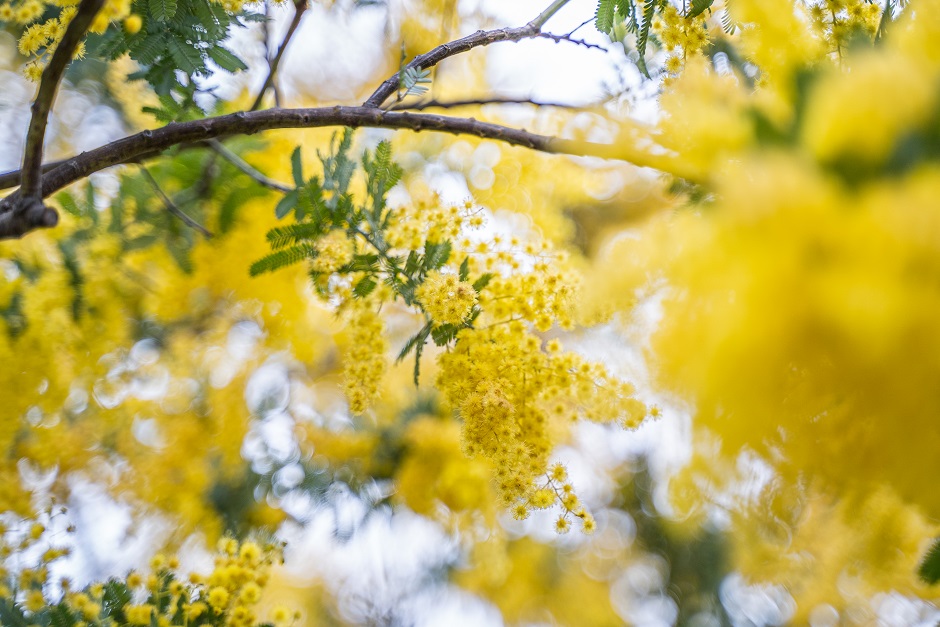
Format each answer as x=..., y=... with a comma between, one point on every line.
x=286, y=204
x=162, y=10
x=413, y=81
x=210, y=16
x=281, y=259
x=624, y=8
x=727, y=22
x=642, y=37
x=61, y=616
x=697, y=7
x=364, y=287
x=382, y=172
x=436, y=254
x=112, y=44
x=604, y=17
x=11, y=615
x=148, y=49
x=282, y=236
x=226, y=59
x=482, y=282
x=187, y=58
x=420, y=336
x=929, y=570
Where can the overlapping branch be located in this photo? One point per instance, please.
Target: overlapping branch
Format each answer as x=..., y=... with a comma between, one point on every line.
x=146, y=144
x=459, y=46
x=24, y=210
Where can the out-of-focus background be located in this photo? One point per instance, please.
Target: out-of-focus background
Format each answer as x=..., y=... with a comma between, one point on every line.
x=215, y=399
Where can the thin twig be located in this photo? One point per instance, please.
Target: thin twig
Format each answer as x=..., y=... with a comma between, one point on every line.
x=453, y=104
x=246, y=168
x=12, y=177
x=171, y=206
x=580, y=26
x=300, y=7
x=569, y=39
x=458, y=46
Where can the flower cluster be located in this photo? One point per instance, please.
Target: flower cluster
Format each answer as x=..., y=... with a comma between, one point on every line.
x=430, y=220
x=445, y=298
x=227, y=597
x=681, y=36
x=365, y=361
x=39, y=40
x=334, y=250
x=796, y=298
x=837, y=21
x=517, y=400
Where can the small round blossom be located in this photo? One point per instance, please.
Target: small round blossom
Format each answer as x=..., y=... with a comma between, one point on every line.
x=447, y=299
x=334, y=250
x=138, y=614
x=218, y=597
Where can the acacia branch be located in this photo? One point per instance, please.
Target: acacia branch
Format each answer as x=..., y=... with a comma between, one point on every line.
x=171, y=206
x=24, y=210
x=246, y=168
x=12, y=178
x=458, y=46
x=150, y=142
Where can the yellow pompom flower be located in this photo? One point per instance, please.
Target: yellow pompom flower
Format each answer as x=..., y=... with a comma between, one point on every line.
x=218, y=597
x=334, y=250
x=250, y=594
x=132, y=24
x=35, y=601
x=138, y=614
x=446, y=299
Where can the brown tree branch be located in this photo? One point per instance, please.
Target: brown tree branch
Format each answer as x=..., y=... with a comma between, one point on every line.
x=146, y=144
x=171, y=206
x=300, y=7
x=12, y=178
x=26, y=211
x=246, y=168
x=150, y=142
x=458, y=46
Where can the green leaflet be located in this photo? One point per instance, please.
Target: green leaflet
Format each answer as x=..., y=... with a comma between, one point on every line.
x=604, y=17
x=281, y=259
x=698, y=7
x=929, y=570
x=226, y=59
x=187, y=58
x=642, y=37
x=162, y=10
x=283, y=236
